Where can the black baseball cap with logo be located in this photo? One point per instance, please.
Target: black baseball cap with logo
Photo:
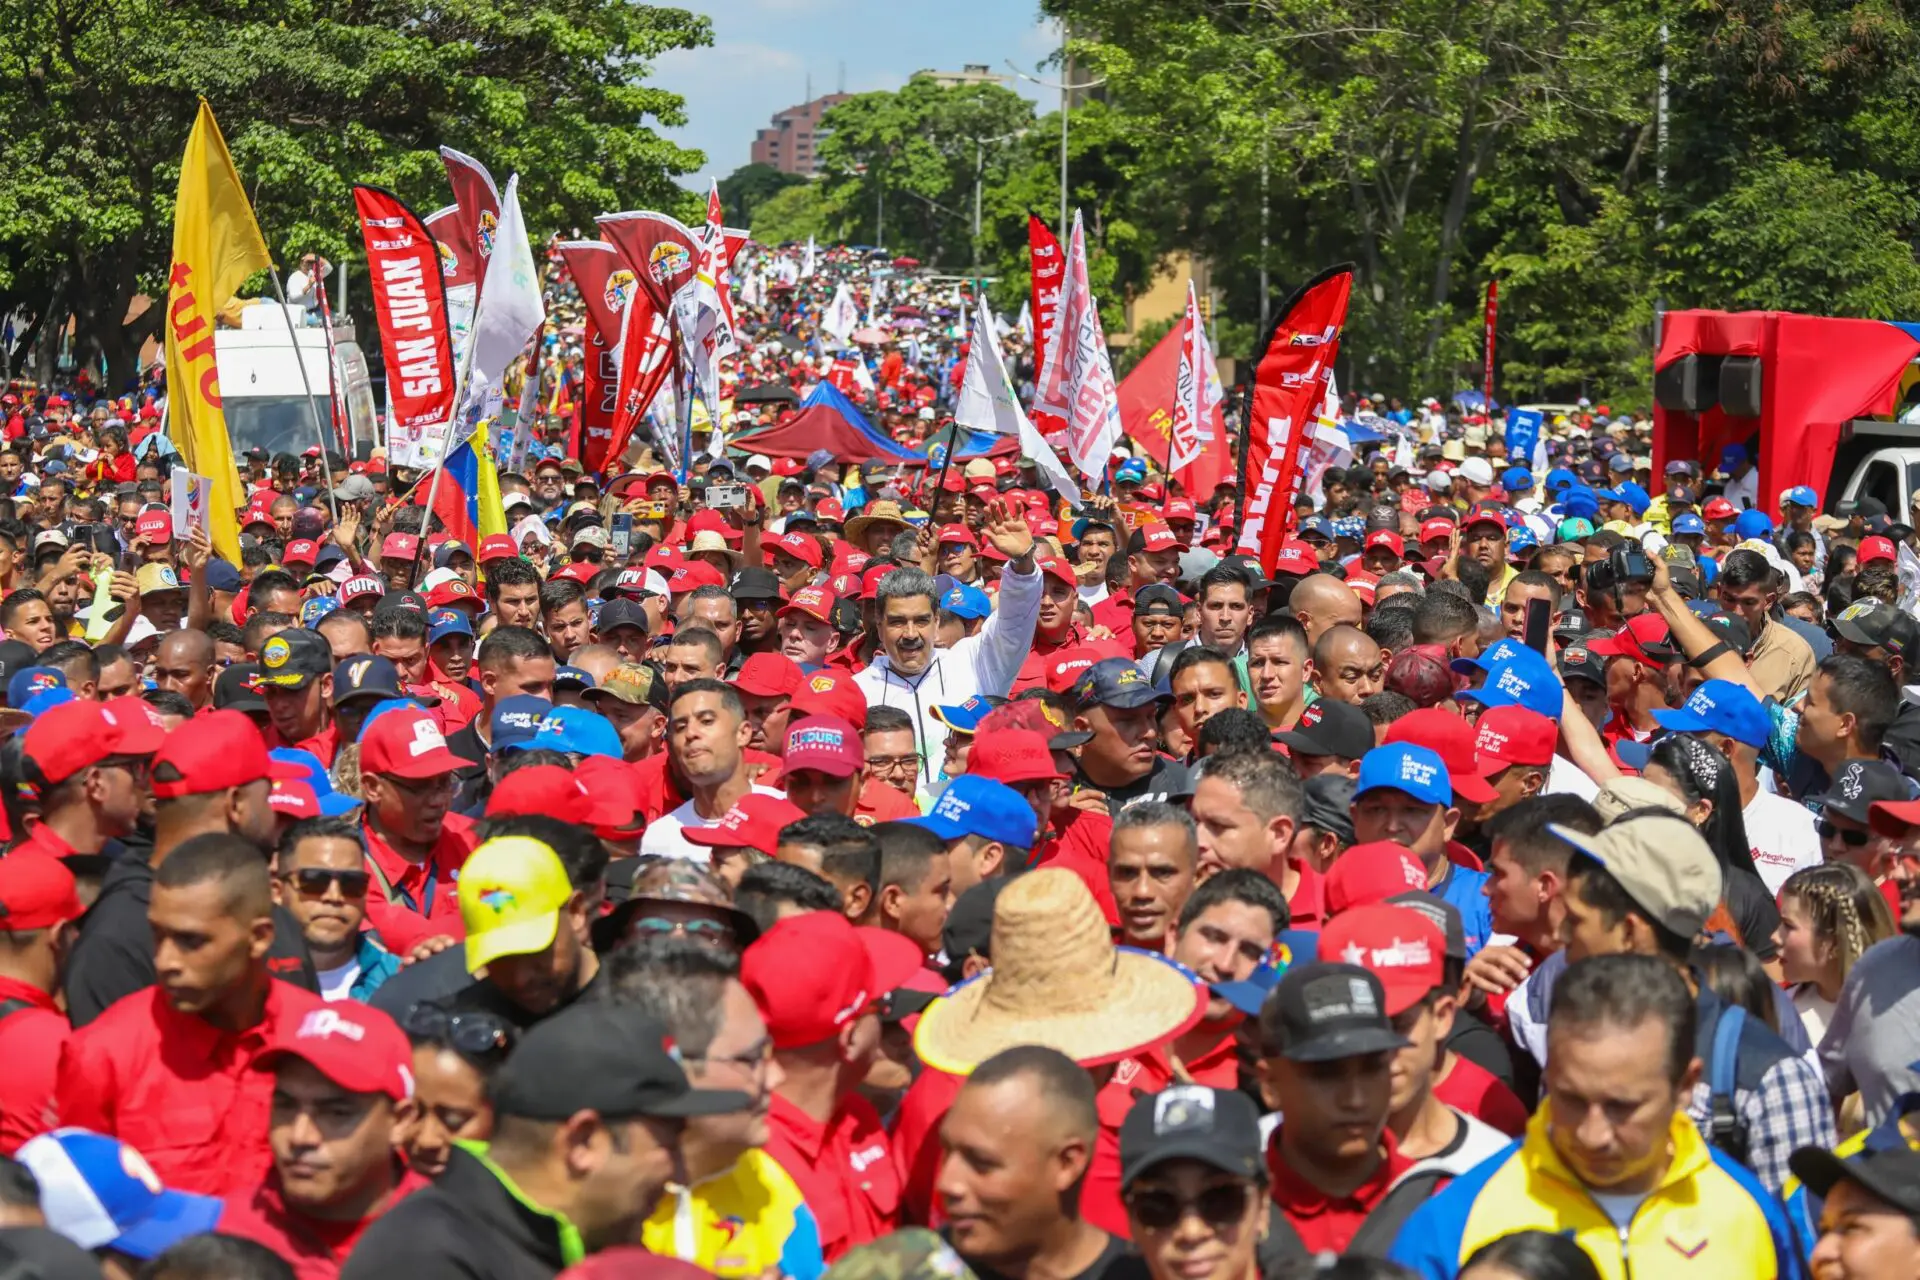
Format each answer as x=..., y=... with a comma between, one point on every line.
x=1577, y=662
x=607, y=1058
x=1889, y=1173
x=1157, y=599
x=1115, y=682
x=755, y=583
x=365, y=676
x=1218, y=1127
x=294, y=658
x=1858, y=785
x=238, y=688
x=1323, y=1012
x=1875, y=624
x=1329, y=728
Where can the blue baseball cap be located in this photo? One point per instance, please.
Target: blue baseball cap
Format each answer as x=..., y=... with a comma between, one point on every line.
x=1319, y=525
x=1688, y=523
x=1401, y=766
x=1516, y=480
x=1250, y=992
x=1720, y=706
x=47, y=699
x=317, y=608
x=966, y=602
x=101, y=1194
x=976, y=806
x=1732, y=456
x=1634, y=496
x=578, y=731
x=1520, y=682
x=571, y=678
x=1620, y=463
x=1132, y=469
x=1802, y=496
x=28, y=681
x=516, y=720
x=365, y=675
x=1115, y=682
x=222, y=576
x=964, y=717
x=1580, y=502
x=315, y=775
x=448, y=622
x=1752, y=523
x=1560, y=478
x=1520, y=538
x=1506, y=649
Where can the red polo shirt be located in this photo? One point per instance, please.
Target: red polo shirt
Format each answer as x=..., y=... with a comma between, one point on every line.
x=1081, y=844
x=324, y=744
x=1470, y=1088
x=410, y=902
x=1115, y=613
x=1327, y=1225
x=315, y=1247
x=31, y=1039
x=45, y=840
x=916, y=1143
x=1307, y=906
x=880, y=802
x=844, y=1168
x=1033, y=672
x=177, y=1089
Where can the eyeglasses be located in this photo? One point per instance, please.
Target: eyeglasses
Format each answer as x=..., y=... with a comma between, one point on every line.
x=1852, y=839
x=752, y=1061
x=315, y=881
x=893, y=764
x=1218, y=1207
x=699, y=930
x=439, y=783
x=466, y=1032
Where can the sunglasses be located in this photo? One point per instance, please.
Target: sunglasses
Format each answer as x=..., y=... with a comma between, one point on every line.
x=657, y=927
x=1219, y=1207
x=466, y=1032
x=315, y=881
x=1852, y=839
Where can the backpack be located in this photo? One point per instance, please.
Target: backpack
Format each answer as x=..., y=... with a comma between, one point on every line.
x=1725, y=1129
x=1284, y=1248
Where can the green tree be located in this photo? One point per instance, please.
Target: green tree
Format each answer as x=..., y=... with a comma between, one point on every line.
x=746, y=188
x=312, y=98
x=793, y=214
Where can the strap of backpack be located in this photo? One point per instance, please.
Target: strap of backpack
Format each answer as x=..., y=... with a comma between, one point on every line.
x=1282, y=1248
x=1725, y=1130
x=1376, y=1235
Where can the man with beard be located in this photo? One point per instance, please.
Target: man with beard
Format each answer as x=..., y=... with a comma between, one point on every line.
x=1153, y=555
x=736, y=1203
x=707, y=736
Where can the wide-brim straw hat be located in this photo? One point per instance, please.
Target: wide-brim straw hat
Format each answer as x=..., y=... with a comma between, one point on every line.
x=881, y=512
x=1057, y=980
x=710, y=540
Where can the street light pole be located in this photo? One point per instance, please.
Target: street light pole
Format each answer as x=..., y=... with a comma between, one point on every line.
x=1066, y=87
x=980, y=146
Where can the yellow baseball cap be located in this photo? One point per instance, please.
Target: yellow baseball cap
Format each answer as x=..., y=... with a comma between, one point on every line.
x=512, y=890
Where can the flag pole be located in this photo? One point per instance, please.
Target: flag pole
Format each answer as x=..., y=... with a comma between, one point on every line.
x=433, y=489
x=319, y=432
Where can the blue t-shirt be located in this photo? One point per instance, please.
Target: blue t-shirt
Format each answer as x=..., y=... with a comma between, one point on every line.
x=1464, y=888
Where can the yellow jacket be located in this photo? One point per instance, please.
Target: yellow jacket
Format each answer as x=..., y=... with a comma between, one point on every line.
x=739, y=1223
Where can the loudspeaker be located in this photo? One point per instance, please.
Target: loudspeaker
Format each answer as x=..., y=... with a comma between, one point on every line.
x=1690, y=384
x=1740, y=386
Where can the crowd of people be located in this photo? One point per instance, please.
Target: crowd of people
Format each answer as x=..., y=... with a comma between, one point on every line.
x=902, y=874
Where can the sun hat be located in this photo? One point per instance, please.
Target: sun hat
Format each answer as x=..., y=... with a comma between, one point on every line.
x=1057, y=980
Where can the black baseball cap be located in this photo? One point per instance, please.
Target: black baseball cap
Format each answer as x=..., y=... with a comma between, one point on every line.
x=365, y=676
x=1328, y=806
x=1570, y=623
x=1877, y=624
x=14, y=655
x=969, y=926
x=1889, y=1173
x=1577, y=662
x=1157, y=598
x=238, y=688
x=401, y=600
x=1218, y=1127
x=1733, y=631
x=755, y=583
x=294, y=658
x=1249, y=568
x=1443, y=913
x=596, y=1056
x=1115, y=682
x=1329, y=728
x=1326, y=1012
x=622, y=613
x=1859, y=784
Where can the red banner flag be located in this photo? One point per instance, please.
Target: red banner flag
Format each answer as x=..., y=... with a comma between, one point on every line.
x=1289, y=384
x=1493, y=310
x=409, y=297
x=479, y=202
x=458, y=265
x=1146, y=414
x=661, y=250
x=1049, y=271
x=607, y=285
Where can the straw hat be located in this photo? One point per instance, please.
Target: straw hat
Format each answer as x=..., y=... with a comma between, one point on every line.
x=711, y=540
x=1058, y=981
x=881, y=512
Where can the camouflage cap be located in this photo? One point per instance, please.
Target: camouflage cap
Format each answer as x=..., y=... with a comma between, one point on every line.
x=636, y=683
x=914, y=1253
x=659, y=880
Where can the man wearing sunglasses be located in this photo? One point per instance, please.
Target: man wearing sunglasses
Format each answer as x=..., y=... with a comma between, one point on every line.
x=1194, y=1183
x=89, y=761
x=1843, y=828
x=321, y=877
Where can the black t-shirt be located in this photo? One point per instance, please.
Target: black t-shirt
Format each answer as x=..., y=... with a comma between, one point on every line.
x=1481, y=1045
x=1117, y=1261
x=1167, y=780
x=442, y=979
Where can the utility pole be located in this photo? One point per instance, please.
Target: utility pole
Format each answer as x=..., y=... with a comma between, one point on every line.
x=1265, y=302
x=1066, y=88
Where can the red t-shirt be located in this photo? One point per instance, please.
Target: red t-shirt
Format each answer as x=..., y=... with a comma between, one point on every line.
x=1328, y=1225
x=844, y=1168
x=1470, y=1088
x=31, y=1039
x=1081, y=846
x=916, y=1143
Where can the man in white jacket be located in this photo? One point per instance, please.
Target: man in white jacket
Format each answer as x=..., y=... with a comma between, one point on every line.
x=910, y=673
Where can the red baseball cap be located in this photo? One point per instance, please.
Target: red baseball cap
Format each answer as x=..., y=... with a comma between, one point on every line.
x=1486, y=513
x=496, y=546
x=1156, y=537
x=870, y=580
x=1718, y=509
x=406, y=743
x=1030, y=714
x=1017, y=755
x=813, y=602
x=157, y=526
x=1874, y=549
x=1438, y=529
x=754, y=822
x=799, y=546
x=354, y=1045
x=830, y=509
x=1059, y=569
x=78, y=735
x=812, y=974
x=615, y=782
x=787, y=466
x=1402, y=947
x=768, y=675
x=222, y=750
x=665, y=558
x=453, y=591
x=1065, y=666
x=1645, y=639
x=555, y=792
x=829, y=692
x=1296, y=557
x=828, y=744
x=1179, y=509
x=299, y=551
x=1452, y=738
x=1386, y=538
x=956, y=533
x=36, y=893
x=399, y=546
x=1885, y=817
x=1513, y=735
x=1370, y=873
x=691, y=577
x=294, y=798
x=1362, y=584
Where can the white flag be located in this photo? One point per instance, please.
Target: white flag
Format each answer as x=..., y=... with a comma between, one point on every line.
x=987, y=403
x=510, y=310
x=1024, y=325
x=842, y=316
x=1077, y=382
x=806, y=266
x=1197, y=391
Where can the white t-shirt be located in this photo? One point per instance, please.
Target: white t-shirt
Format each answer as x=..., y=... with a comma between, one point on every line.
x=1816, y=1011
x=337, y=984
x=664, y=834
x=1744, y=492
x=1783, y=837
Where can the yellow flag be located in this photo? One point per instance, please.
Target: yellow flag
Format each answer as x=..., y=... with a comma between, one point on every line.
x=491, y=513
x=216, y=246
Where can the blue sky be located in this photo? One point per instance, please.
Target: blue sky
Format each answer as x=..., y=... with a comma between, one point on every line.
x=764, y=50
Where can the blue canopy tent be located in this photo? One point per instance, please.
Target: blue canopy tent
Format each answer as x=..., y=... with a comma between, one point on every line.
x=827, y=420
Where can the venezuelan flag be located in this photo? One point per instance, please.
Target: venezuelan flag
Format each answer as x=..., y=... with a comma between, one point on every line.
x=469, y=499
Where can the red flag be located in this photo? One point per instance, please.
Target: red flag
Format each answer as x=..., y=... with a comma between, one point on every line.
x=479, y=202
x=661, y=251
x=403, y=261
x=1146, y=414
x=646, y=362
x=1289, y=384
x=1049, y=272
x=455, y=236
x=607, y=286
